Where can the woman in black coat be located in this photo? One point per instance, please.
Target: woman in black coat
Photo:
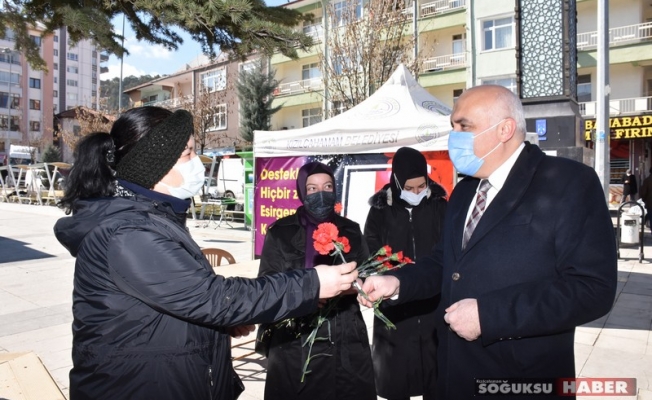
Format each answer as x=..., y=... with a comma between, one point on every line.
x=344, y=369
x=407, y=214
x=151, y=318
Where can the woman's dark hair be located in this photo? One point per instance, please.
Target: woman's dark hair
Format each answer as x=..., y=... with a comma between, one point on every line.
x=91, y=175
x=97, y=154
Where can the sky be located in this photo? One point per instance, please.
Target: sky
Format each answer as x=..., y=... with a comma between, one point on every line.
x=148, y=59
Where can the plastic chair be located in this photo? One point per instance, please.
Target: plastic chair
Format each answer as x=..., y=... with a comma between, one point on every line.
x=215, y=256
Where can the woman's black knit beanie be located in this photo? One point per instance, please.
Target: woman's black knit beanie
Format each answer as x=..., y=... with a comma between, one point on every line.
x=157, y=152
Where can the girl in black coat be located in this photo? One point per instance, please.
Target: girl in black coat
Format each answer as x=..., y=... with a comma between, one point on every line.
x=407, y=214
x=345, y=370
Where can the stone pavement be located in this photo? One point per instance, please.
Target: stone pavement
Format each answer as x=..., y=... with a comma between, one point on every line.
x=36, y=275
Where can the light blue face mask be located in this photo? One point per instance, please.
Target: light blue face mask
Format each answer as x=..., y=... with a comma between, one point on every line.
x=460, y=150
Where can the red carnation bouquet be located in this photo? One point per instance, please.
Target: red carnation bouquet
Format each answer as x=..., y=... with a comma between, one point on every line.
x=327, y=241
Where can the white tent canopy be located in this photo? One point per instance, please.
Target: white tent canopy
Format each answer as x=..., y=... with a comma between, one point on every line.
x=400, y=113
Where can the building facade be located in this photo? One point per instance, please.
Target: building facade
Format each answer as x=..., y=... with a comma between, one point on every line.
x=464, y=43
x=29, y=99
x=207, y=89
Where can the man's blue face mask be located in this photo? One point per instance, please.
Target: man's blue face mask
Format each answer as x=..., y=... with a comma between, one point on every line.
x=460, y=150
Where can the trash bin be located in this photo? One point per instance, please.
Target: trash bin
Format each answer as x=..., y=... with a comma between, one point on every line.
x=630, y=228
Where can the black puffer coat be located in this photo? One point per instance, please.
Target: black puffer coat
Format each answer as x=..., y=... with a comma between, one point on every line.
x=347, y=371
x=149, y=312
x=405, y=358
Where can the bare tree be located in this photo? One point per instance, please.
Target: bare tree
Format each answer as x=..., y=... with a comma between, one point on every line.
x=88, y=121
x=210, y=110
x=366, y=42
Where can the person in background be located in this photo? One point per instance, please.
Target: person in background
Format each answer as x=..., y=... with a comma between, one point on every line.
x=646, y=196
x=407, y=214
x=522, y=261
x=151, y=318
x=630, y=188
x=344, y=370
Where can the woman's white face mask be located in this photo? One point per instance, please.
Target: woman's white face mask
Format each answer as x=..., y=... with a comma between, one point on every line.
x=192, y=173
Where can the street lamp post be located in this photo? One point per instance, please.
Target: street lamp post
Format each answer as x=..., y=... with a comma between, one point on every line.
x=9, y=54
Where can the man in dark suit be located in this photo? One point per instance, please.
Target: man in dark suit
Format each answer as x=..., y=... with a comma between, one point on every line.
x=540, y=261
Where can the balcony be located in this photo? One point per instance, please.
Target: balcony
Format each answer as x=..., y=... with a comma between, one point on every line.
x=441, y=7
x=170, y=104
x=617, y=36
x=449, y=61
x=307, y=85
x=634, y=105
x=315, y=31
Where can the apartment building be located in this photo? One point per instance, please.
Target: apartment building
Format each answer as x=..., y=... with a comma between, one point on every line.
x=470, y=42
x=206, y=88
x=29, y=99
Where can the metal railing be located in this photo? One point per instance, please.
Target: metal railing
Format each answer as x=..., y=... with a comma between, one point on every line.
x=449, y=61
x=440, y=7
x=620, y=35
x=316, y=32
x=633, y=105
x=169, y=103
x=299, y=86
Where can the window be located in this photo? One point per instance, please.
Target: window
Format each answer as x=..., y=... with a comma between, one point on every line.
x=34, y=104
x=310, y=71
x=94, y=86
x=311, y=116
x=458, y=44
x=76, y=130
x=4, y=77
x=72, y=70
x=344, y=65
x=34, y=83
x=72, y=56
x=584, y=88
x=55, y=93
x=56, y=66
x=456, y=94
x=34, y=126
x=248, y=66
x=12, y=100
x=94, y=75
x=56, y=80
x=509, y=83
x=71, y=96
x=71, y=82
x=498, y=33
x=36, y=39
x=55, y=108
x=56, y=52
x=214, y=80
x=56, y=38
x=340, y=106
x=218, y=120
x=12, y=57
x=4, y=123
x=347, y=11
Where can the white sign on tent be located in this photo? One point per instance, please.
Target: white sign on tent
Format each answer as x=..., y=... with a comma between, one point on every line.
x=400, y=113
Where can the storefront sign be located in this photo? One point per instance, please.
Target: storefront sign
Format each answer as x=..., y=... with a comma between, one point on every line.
x=623, y=128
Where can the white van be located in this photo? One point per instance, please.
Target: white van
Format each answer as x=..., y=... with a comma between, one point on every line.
x=23, y=154
x=230, y=179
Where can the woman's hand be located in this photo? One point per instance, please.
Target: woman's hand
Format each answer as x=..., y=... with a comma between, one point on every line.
x=334, y=279
x=242, y=330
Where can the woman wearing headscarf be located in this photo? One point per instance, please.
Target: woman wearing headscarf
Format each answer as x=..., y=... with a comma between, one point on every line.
x=407, y=215
x=345, y=370
x=151, y=318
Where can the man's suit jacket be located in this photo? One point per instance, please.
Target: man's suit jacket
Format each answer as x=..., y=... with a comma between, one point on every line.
x=541, y=261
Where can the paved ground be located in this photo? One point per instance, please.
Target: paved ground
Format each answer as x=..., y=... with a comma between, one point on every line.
x=36, y=284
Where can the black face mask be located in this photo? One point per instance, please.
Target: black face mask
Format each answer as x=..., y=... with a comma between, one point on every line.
x=320, y=204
